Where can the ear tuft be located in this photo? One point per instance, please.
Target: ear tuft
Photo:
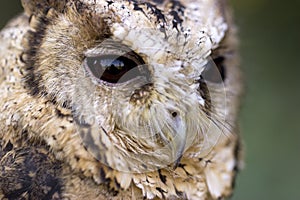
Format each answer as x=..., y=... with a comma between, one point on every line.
x=41, y=6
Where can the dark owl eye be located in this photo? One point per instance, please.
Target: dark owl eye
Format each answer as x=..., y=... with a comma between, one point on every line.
x=214, y=71
x=114, y=68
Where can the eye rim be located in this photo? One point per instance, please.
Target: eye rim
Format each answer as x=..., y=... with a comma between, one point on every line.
x=130, y=56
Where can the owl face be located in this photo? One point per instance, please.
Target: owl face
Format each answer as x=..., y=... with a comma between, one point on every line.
x=137, y=76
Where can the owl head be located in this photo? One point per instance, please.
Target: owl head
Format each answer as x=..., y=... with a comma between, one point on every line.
x=144, y=80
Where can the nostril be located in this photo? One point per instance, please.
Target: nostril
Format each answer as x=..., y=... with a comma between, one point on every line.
x=174, y=114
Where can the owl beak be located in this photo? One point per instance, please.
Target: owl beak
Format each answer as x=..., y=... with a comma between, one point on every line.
x=178, y=141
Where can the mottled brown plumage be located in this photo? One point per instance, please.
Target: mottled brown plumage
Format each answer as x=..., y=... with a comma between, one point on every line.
x=119, y=100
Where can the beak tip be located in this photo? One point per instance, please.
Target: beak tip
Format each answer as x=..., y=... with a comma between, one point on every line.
x=176, y=163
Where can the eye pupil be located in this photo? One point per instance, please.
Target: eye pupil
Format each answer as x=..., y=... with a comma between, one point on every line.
x=112, y=68
x=219, y=61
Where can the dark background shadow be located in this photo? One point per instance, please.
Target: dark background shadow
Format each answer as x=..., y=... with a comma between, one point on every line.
x=270, y=40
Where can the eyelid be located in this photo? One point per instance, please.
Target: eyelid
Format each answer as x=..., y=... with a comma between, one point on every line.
x=108, y=47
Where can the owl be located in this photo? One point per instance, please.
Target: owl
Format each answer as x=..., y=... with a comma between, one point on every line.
x=114, y=99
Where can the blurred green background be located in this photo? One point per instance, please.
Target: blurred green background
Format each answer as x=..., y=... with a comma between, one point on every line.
x=270, y=123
